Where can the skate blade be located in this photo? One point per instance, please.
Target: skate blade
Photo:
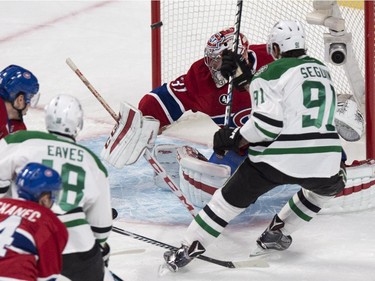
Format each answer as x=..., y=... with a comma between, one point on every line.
x=260, y=252
x=164, y=269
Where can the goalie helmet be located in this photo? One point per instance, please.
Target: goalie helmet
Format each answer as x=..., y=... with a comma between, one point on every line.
x=64, y=115
x=16, y=80
x=35, y=179
x=217, y=43
x=288, y=35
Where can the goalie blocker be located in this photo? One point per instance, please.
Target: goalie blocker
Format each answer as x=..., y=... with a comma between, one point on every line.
x=128, y=140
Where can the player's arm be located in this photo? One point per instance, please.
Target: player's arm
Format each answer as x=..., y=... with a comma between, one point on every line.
x=163, y=103
x=264, y=125
x=151, y=105
x=7, y=166
x=265, y=122
x=99, y=213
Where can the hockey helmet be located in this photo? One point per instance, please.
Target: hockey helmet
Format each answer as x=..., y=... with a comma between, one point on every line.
x=64, y=115
x=16, y=80
x=35, y=179
x=288, y=35
x=217, y=43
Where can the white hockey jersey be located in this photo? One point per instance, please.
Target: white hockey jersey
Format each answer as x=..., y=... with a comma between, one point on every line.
x=84, y=205
x=291, y=126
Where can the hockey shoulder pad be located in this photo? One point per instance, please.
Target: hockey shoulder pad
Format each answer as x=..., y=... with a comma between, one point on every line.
x=199, y=179
x=130, y=137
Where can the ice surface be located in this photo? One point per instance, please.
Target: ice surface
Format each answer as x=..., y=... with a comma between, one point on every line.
x=110, y=42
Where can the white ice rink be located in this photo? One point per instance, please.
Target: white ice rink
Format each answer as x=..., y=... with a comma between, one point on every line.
x=110, y=42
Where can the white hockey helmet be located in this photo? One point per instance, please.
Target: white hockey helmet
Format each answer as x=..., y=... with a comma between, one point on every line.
x=64, y=115
x=288, y=35
x=218, y=42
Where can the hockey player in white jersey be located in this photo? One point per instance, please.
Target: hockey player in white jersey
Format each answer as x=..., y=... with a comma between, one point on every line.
x=84, y=206
x=293, y=140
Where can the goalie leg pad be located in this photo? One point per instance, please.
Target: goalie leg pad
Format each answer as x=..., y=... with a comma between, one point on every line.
x=199, y=179
x=130, y=137
x=359, y=191
x=166, y=154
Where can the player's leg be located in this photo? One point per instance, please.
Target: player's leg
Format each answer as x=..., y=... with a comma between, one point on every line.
x=299, y=210
x=241, y=190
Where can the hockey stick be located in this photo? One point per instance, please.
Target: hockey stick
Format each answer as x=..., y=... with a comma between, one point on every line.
x=115, y=277
x=148, y=156
x=228, y=264
x=127, y=252
x=228, y=108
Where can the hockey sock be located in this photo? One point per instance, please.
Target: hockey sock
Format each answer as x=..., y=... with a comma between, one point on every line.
x=300, y=209
x=211, y=220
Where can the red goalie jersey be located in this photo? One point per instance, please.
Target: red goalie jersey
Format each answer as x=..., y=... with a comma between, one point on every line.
x=197, y=91
x=32, y=240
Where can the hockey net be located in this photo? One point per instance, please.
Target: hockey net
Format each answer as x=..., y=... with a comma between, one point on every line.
x=180, y=30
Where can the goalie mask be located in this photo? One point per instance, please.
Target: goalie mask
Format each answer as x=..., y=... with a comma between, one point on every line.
x=217, y=43
x=288, y=35
x=64, y=115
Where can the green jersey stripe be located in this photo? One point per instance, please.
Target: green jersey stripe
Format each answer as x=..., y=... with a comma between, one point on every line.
x=296, y=150
x=298, y=211
x=206, y=227
x=74, y=223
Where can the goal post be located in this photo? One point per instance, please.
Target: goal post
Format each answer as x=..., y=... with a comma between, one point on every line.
x=181, y=28
x=370, y=78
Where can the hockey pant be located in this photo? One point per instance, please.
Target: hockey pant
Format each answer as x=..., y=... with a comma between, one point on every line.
x=84, y=265
x=250, y=181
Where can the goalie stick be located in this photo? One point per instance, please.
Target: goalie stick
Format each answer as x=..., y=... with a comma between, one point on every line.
x=228, y=108
x=228, y=264
x=148, y=156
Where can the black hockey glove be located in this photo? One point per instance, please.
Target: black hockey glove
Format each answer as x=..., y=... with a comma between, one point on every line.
x=106, y=250
x=235, y=64
x=227, y=139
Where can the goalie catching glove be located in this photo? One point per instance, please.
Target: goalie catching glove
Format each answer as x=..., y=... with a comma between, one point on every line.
x=130, y=137
x=235, y=65
x=349, y=120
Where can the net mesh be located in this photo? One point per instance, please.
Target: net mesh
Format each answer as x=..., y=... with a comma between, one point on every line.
x=187, y=25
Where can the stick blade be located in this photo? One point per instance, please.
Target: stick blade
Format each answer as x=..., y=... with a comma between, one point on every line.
x=251, y=263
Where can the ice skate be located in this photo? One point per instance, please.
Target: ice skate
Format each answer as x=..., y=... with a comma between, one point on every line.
x=272, y=239
x=178, y=258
